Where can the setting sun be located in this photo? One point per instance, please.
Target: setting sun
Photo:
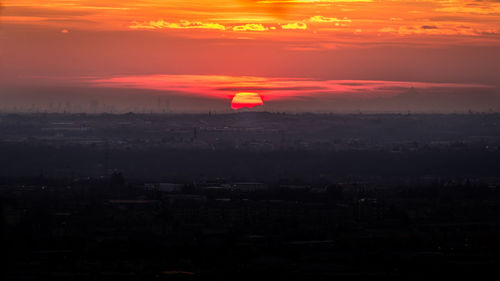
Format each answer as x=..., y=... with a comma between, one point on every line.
x=246, y=100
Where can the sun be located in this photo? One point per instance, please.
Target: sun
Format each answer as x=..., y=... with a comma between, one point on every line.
x=246, y=100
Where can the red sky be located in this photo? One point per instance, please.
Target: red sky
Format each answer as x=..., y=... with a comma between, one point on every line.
x=287, y=50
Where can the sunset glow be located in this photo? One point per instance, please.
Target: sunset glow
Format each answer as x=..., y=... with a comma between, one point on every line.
x=246, y=100
x=281, y=49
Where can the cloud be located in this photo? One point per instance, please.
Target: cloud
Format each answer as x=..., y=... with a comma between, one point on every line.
x=1, y=10
x=295, y=25
x=470, y=7
x=263, y=88
x=183, y=24
x=309, y=1
x=432, y=30
x=321, y=19
x=275, y=88
x=250, y=27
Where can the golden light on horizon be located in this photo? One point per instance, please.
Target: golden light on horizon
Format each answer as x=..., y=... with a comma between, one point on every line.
x=246, y=100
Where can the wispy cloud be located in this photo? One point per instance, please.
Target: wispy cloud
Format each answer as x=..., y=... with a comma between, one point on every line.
x=295, y=25
x=273, y=88
x=327, y=19
x=183, y=24
x=251, y=27
x=320, y=21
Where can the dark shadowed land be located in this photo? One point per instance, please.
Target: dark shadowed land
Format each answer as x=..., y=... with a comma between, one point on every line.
x=251, y=146
x=246, y=195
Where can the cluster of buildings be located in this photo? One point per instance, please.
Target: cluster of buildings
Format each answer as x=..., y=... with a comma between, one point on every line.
x=114, y=228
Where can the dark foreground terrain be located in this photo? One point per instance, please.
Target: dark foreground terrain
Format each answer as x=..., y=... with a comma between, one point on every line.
x=246, y=196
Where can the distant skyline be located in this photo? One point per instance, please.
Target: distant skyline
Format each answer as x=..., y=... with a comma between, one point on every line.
x=194, y=56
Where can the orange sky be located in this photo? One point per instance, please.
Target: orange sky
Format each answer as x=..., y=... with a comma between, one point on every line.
x=408, y=41
x=304, y=24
